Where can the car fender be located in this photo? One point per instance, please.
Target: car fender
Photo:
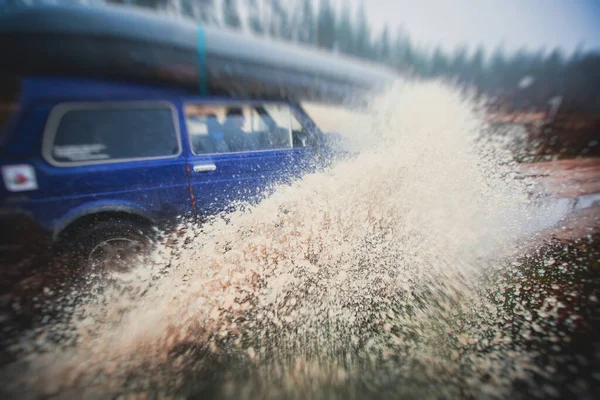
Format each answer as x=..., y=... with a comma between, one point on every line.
x=98, y=207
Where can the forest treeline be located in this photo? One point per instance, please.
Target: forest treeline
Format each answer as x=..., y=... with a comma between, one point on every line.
x=524, y=80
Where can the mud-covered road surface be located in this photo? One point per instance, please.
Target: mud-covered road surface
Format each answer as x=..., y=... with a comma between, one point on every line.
x=567, y=353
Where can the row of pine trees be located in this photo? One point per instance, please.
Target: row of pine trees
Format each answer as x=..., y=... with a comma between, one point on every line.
x=523, y=80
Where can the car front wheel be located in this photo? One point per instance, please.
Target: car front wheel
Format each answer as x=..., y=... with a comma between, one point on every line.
x=111, y=247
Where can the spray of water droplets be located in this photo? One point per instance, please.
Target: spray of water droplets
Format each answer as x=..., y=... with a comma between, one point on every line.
x=369, y=279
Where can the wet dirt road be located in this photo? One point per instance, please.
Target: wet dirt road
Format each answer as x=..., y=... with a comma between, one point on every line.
x=569, y=363
x=567, y=178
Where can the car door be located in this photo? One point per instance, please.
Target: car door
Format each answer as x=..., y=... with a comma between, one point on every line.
x=242, y=162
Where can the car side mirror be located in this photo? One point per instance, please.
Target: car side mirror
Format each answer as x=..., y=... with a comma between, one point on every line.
x=302, y=139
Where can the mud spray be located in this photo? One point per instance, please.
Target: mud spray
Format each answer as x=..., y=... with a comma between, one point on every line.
x=371, y=279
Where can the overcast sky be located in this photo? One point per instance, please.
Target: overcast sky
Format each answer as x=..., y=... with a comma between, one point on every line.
x=515, y=23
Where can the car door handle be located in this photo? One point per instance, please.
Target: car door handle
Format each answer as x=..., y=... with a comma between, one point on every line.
x=204, y=167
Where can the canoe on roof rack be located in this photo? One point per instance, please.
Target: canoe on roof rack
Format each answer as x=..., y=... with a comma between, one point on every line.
x=126, y=43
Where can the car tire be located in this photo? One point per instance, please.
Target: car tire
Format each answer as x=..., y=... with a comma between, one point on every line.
x=111, y=246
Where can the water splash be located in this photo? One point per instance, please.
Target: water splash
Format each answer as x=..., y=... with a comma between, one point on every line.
x=371, y=278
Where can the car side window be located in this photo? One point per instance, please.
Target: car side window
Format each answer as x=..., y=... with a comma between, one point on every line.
x=230, y=128
x=96, y=133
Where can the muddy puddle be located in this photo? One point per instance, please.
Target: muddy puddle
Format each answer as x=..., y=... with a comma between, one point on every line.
x=420, y=268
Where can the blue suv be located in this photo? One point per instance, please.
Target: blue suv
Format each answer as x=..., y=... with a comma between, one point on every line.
x=115, y=121
x=99, y=163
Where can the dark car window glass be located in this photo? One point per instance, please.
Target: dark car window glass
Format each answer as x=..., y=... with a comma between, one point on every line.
x=238, y=128
x=115, y=133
